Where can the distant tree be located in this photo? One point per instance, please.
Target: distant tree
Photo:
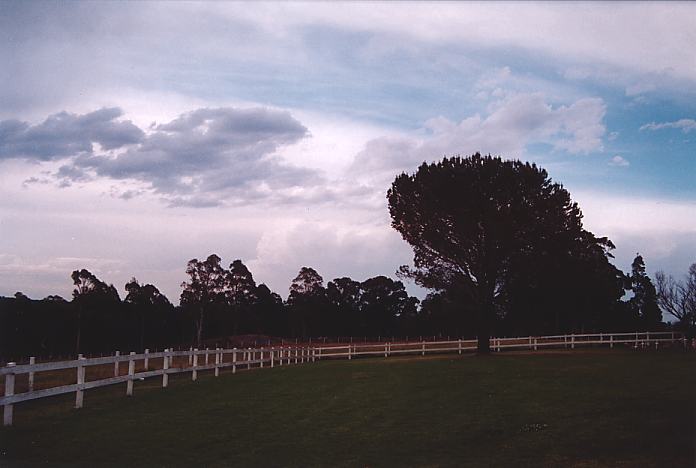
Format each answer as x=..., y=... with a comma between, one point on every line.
x=147, y=299
x=307, y=296
x=471, y=220
x=90, y=294
x=204, y=290
x=240, y=293
x=269, y=308
x=678, y=298
x=343, y=296
x=54, y=298
x=644, y=299
x=447, y=313
x=571, y=286
x=382, y=303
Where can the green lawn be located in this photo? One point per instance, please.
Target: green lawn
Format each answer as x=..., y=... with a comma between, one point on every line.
x=589, y=408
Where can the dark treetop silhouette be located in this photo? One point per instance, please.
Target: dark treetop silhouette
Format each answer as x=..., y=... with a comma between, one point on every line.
x=472, y=220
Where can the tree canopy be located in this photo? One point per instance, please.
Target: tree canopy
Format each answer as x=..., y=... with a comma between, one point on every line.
x=473, y=222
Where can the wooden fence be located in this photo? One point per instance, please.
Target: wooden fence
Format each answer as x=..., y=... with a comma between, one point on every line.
x=530, y=343
x=194, y=360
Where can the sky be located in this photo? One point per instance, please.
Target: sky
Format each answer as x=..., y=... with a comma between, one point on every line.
x=136, y=136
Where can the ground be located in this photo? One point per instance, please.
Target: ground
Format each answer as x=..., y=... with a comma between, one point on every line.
x=591, y=408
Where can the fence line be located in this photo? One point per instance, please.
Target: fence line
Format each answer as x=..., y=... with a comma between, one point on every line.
x=279, y=356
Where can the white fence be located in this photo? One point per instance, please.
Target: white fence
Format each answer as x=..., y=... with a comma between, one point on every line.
x=192, y=360
x=195, y=360
x=531, y=343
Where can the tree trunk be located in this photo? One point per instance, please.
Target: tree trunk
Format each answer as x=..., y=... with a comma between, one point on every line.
x=485, y=316
x=484, y=333
x=79, y=329
x=199, y=329
x=142, y=330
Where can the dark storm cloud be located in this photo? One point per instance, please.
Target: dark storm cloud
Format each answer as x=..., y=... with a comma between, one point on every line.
x=198, y=159
x=64, y=135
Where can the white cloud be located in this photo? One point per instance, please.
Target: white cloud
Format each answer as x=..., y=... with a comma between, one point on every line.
x=686, y=125
x=619, y=161
x=513, y=124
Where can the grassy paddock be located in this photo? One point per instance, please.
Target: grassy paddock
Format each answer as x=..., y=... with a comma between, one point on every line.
x=592, y=408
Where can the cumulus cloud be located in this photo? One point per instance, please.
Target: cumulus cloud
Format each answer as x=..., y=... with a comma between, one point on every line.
x=619, y=161
x=201, y=158
x=512, y=124
x=686, y=125
x=64, y=134
x=352, y=248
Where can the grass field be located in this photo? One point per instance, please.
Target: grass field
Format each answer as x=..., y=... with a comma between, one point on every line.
x=591, y=408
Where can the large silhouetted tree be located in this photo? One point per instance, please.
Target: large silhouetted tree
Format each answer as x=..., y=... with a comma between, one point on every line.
x=471, y=220
x=204, y=290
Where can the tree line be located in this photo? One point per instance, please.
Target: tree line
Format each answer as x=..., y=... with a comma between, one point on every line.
x=499, y=245
x=218, y=302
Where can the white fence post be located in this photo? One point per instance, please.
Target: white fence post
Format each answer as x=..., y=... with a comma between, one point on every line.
x=262, y=353
x=146, y=364
x=535, y=343
x=314, y=354
x=9, y=391
x=131, y=372
x=79, y=394
x=530, y=342
x=422, y=348
x=194, y=372
x=165, y=367
x=350, y=354
x=234, y=360
x=206, y=356
x=217, y=362
x=572, y=341
x=32, y=361
x=296, y=359
x=190, y=356
x=272, y=358
x=116, y=363
x=611, y=341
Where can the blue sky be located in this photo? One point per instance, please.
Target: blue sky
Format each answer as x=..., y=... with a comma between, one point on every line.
x=135, y=136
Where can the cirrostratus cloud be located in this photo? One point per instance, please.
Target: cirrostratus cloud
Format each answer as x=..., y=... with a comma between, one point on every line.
x=205, y=157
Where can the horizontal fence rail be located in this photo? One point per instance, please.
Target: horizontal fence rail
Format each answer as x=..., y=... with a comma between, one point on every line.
x=530, y=343
x=195, y=360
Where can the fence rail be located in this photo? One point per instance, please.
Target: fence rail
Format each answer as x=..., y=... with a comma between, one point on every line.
x=195, y=360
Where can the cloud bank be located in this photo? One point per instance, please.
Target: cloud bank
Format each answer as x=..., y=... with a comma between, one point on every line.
x=205, y=157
